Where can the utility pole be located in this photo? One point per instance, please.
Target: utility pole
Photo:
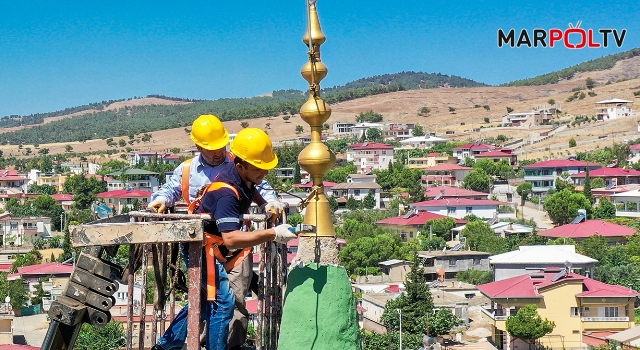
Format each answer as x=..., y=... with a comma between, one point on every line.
x=400, y=315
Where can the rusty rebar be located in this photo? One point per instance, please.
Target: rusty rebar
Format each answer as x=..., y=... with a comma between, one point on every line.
x=143, y=296
x=193, y=318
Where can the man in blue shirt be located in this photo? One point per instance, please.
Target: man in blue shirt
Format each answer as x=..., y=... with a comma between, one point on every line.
x=254, y=157
x=211, y=139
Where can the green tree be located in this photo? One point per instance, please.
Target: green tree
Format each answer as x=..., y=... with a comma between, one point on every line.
x=572, y=142
x=333, y=203
x=435, y=243
x=551, y=101
x=43, y=189
x=598, y=182
x=524, y=190
x=501, y=138
x=286, y=118
x=590, y=83
x=84, y=190
x=366, y=252
x=595, y=247
x=504, y=169
x=528, y=325
x=475, y=277
x=442, y=322
x=418, y=130
x=374, y=135
x=297, y=176
x=439, y=227
x=15, y=290
x=605, y=209
x=478, y=180
x=586, y=191
x=68, y=148
x=482, y=238
x=244, y=124
x=424, y=111
x=67, y=248
x=509, y=109
x=369, y=117
x=295, y=219
x=369, y=201
x=562, y=207
x=299, y=129
x=109, y=337
x=488, y=165
x=352, y=203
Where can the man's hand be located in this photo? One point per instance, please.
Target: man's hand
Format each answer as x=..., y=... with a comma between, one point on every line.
x=274, y=207
x=158, y=205
x=283, y=234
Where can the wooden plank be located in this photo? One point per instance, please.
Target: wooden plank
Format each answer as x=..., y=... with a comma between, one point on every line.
x=105, y=234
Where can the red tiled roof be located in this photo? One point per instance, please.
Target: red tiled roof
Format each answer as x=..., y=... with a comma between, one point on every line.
x=495, y=153
x=608, y=172
x=636, y=146
x=560, y=163
x=587, y=229
x=450, y=191
x=327, y=184
x=433, y=154
x=99, y=177
x=62, y=197
x=5, y=267
x=125, y=194
x=394, y=288
x=441, y=167
x=526, y=286
x=457, y=202
x=10, y=175
x=419, y=219
x=472, y=146
x=52, y=268
x=371, y=145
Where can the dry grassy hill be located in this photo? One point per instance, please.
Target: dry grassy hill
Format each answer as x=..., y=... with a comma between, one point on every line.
x=403, y=107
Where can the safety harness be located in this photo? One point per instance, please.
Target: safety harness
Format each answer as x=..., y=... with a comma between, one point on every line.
x=214, y=245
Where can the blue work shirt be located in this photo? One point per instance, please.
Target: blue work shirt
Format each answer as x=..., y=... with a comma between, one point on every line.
x=223, y=204
x=200, y=174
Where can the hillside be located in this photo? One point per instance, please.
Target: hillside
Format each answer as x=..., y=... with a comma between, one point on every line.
x=403, y=107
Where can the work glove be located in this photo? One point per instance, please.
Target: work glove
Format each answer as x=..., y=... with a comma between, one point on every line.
x=158, y=205
x=283, y=234
x=274, y=207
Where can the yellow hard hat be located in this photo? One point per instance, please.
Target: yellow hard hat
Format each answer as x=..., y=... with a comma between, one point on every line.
x=209, y=133
x=254, y=146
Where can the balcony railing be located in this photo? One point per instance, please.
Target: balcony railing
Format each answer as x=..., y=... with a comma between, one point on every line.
x=492, y=314
x=605, y=319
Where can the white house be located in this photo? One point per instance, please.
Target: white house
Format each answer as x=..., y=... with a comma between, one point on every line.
x=460, y=207
x=122, y=295
x=431, y=160
x=343, y=128
x=357, y=190
x=627, y=204
x=613, y=108
x=139, y=179
x=422, y=142
x=82, y=168
x=539, y=257
x=148, y=157
x=543, y=175
x=361, y=128
x=17, y=231
x=369, y=156
x=397, y=131
x=119, y=198
x=527, y=118
x=445, y=174
x=470, y=150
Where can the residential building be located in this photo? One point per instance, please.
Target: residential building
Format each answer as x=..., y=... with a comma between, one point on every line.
x=501, y=228
x=533, y=118
x=6, y=194
x=537, y=258
x=288, y=174
x=627, y=339
x=613, y=232
x=11, y=179
x=448, y=263
x=6, y=326
x=343, y=128
x=431, y=160
x=445, y=174
x=32, y=274
x=543, y=175
x=54, y=180
x=409, y=225
x=395, y=270
x=397, y=131
x=575, y=303
x=20, y=230
x=361, y=129
x=136, y=179
x=64, y=199
x=308, y=186
x=362, y=178
x=369, y=156
x=627, y=203
x=81, y=168
x=357, y=190
x=119, y=198
x=122, y=295
x=634, y=157
x=460, y=207
x=422, y=142
x=498, y=155
x=149, y=157
x=612, y=176
x=371, y=307
x=607, y=192
x=613, y=108
x=437, y=192
x=470, y=150
x=53, y=287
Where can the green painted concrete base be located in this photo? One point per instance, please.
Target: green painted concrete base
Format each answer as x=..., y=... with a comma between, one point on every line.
x=319, y=310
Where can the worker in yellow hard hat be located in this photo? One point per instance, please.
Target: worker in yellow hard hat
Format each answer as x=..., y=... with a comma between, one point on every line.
x=226, y=199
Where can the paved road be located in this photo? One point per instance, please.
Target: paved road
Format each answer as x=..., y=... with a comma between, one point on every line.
x=32, y=328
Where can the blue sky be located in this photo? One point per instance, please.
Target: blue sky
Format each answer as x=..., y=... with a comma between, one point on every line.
x=59, y=54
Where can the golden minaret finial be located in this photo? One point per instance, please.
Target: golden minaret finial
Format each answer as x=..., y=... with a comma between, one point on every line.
x=316, y=158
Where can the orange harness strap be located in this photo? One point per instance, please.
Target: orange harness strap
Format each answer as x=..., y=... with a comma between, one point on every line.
x=213, y=242
x=186, y=169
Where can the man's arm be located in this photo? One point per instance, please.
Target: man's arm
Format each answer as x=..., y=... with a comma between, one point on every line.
x=240, y=239
x=172, y=189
